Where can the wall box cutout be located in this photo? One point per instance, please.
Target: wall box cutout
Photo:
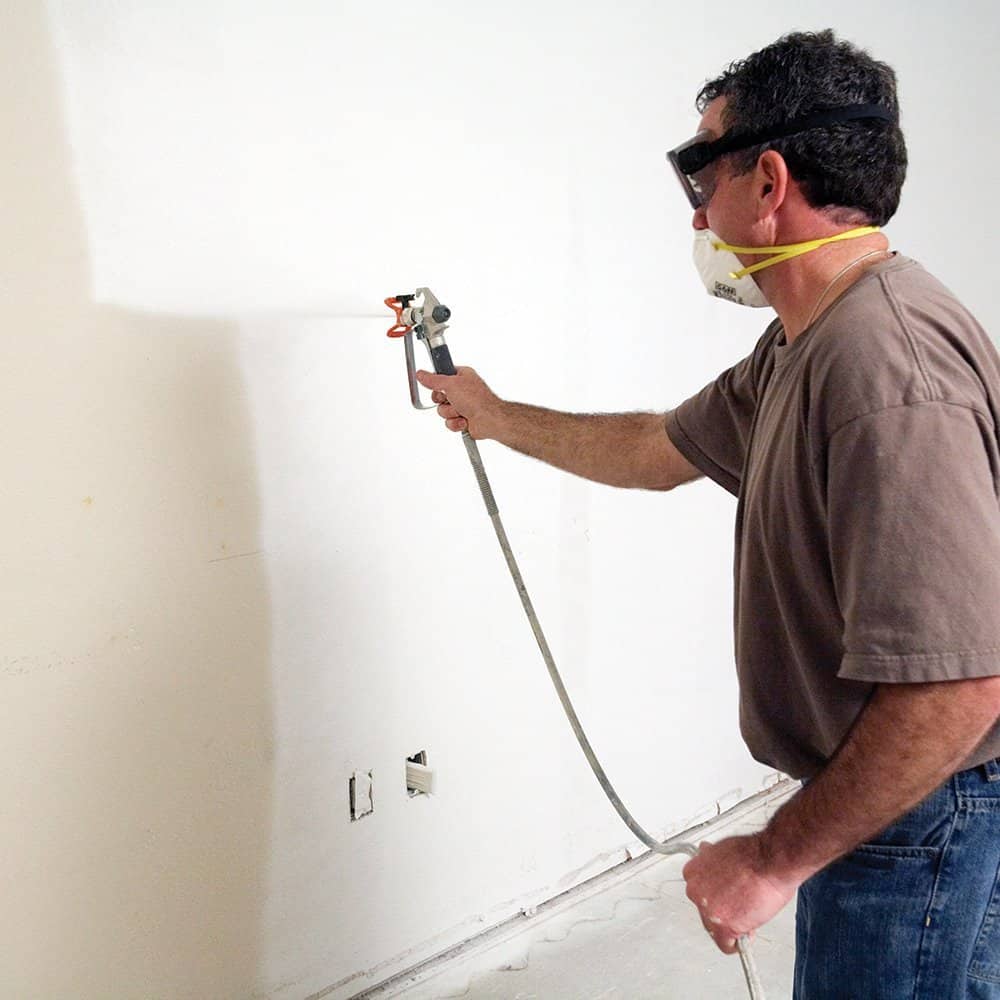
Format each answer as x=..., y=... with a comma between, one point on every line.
x=419, y=777
x=360, y=792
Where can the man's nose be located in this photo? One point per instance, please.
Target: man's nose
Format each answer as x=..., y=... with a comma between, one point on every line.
x=700, y=220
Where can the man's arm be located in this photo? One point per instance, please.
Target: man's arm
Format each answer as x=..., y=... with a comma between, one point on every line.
x=619, y=449
x=906, y=742
x=630, y=450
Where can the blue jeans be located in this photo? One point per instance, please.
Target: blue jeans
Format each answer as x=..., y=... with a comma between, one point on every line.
x=915, y=914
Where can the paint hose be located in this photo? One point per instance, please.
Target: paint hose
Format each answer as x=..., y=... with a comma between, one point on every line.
x=429, y=323
x=665, y=847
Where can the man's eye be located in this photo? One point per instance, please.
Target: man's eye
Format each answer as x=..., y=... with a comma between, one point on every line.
x=703, y=184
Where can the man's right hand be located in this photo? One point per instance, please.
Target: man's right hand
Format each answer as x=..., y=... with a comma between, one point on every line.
x=465, y=402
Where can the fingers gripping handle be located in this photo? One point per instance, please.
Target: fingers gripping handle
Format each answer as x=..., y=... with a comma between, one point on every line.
x=750, y=973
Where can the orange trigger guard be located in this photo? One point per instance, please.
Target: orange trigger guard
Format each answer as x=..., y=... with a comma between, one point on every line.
x=399, y=328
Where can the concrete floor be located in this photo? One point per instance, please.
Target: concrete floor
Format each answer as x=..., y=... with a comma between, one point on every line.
x=630, y=934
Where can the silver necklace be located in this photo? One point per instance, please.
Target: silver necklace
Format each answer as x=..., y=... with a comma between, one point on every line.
x=836, y=278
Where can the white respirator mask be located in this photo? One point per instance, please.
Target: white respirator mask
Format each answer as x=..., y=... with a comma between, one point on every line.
x=726, y=278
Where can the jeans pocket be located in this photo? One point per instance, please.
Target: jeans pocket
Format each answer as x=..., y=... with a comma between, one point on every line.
x=864, y=920
x=985, y=963
x=889, y=855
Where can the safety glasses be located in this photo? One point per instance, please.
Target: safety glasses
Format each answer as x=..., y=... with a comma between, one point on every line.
x=693, y=160
x=698, y=181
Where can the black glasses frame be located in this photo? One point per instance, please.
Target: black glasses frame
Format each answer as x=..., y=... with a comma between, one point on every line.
x=695, y=154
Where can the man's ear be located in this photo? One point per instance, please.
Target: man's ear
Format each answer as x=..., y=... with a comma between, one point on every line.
x=770, y=182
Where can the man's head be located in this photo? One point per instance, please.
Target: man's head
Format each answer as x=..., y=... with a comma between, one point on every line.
x=852, y=171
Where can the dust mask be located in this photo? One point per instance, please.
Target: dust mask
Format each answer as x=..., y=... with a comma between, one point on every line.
x=726, y=278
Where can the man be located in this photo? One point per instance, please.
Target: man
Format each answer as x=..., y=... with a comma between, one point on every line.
x=862, y=438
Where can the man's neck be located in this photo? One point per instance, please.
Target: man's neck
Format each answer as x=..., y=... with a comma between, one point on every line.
x=803, y=288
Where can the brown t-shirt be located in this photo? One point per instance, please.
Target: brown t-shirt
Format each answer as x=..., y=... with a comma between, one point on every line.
x=866, y=459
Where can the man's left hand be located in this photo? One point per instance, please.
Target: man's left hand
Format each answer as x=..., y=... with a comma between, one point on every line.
x=735, y=893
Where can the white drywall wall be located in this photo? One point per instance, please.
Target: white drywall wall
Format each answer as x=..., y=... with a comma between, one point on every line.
x=238, y=566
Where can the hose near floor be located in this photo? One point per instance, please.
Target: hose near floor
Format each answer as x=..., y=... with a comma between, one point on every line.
x=665, y=847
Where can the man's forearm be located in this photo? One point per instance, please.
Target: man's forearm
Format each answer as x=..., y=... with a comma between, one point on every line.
x=619, y=449
x=906, y=742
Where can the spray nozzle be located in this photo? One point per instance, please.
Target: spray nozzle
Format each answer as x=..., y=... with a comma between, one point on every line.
x=398, y=304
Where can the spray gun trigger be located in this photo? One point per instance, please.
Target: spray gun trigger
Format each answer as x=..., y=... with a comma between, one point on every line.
x=411, y=373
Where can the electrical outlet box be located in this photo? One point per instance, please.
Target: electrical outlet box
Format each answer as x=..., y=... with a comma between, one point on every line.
x=419, y=777
x=361, y=796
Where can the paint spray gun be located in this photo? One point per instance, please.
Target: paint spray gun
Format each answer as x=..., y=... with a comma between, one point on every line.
x=429, y=321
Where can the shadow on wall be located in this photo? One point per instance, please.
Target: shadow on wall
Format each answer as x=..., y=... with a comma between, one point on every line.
x=135, y=699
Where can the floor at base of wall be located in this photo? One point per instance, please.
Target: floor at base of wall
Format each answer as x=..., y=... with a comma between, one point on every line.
x=632, y=934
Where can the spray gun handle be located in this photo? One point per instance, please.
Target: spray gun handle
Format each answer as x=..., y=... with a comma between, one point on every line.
x=441, y=358
x=434, y=321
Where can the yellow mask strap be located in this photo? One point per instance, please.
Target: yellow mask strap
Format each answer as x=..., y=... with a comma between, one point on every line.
x=791, y=250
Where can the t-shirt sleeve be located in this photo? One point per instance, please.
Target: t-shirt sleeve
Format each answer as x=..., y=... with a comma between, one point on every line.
x=914, y=524
x=711, y=428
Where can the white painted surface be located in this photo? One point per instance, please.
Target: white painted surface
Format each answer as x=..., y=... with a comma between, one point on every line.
x=238, y=567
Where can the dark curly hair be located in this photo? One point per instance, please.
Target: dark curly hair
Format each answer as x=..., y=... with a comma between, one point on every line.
x=855, y=170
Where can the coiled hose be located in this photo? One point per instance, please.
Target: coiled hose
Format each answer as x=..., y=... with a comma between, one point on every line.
x=666, y=847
